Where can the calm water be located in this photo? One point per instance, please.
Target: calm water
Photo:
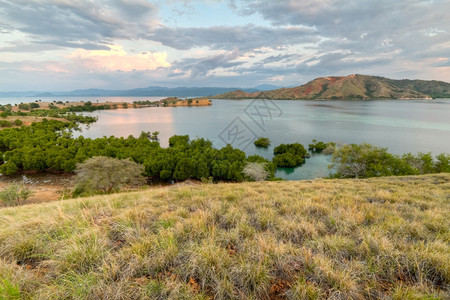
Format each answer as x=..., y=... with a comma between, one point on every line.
x=402, y=126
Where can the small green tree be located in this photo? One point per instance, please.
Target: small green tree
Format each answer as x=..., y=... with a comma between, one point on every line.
x=15, y=194
x=105, y=174
x=442, y=164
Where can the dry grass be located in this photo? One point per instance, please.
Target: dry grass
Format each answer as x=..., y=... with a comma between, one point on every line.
x=377, y=238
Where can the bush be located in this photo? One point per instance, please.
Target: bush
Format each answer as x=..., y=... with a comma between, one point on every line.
x=8, y=168
x=15, y=194
x=365, y=160
x=287, y=160
x=289, y=155
x=18, y=122
x=255, y=171
x=24, y=106
x=105, y=174
x=34, y=105
x=4, y=123
x=320, y=146
x=296, y=149
x=361, y=161
x=262, y=142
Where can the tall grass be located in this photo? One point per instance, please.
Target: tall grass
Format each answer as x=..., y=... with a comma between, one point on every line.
x=339, y=239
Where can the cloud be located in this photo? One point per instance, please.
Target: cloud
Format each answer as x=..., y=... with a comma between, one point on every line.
x=227, y=37
x=201, y=67
x=286, y=39
x=117, y=59
x=79, y=23
x=401, y=22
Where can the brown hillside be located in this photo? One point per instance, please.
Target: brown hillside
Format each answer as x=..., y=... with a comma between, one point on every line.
x=352, y=87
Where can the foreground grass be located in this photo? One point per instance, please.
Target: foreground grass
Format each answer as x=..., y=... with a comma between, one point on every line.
x=341, y=239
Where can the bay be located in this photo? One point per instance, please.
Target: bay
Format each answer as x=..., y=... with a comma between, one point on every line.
x=400, y=125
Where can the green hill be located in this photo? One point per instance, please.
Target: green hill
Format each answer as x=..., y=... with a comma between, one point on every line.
x=352, y=87
x=379, y=238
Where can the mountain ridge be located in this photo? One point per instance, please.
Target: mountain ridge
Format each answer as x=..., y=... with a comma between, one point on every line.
x=351, y=87
x=137, y=92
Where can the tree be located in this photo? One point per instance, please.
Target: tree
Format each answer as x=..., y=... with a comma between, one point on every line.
x=442, y=165
x=179, y=141
x=105, y=174
x=15, y=194
x=289, y=155
x=287, y=160
x=363, y=160
x=255, y=171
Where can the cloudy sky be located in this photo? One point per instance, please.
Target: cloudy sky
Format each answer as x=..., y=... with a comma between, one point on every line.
x=63, y=45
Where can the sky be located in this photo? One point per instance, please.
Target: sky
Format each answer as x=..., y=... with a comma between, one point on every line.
x=63, y=45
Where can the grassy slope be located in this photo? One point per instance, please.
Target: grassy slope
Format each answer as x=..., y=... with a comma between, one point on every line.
x=373, y=238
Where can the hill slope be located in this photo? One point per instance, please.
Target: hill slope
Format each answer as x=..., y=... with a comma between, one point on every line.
x=352, y=87
x=373, y=238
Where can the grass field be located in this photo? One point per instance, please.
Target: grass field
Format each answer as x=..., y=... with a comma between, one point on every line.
x=385, y=238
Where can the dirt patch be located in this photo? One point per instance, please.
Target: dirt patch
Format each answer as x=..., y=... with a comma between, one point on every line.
x=45, y=187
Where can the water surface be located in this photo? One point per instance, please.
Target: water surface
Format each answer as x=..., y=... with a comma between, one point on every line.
x=402, y=126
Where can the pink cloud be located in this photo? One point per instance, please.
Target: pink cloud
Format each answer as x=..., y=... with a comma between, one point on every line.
x=117, y=59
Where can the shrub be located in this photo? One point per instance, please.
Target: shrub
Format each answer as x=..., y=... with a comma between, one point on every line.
x=18, y=122
x=8, y=168
x=34, y=105
x=442, y=165
x=105, y=174
x=296, y=149
x=287, y=160
x=4, y=123
x=320, y=146
x=24, y=106
x=363, y=160
x=366, y=160
x=262, y=142
x=14, y=194
x=255, y=171
x=289, y=155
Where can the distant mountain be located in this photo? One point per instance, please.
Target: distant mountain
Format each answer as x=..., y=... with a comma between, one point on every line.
x=351, y=87
x=138, y=92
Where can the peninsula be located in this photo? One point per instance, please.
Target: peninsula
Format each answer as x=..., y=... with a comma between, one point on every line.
x=27, y=113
